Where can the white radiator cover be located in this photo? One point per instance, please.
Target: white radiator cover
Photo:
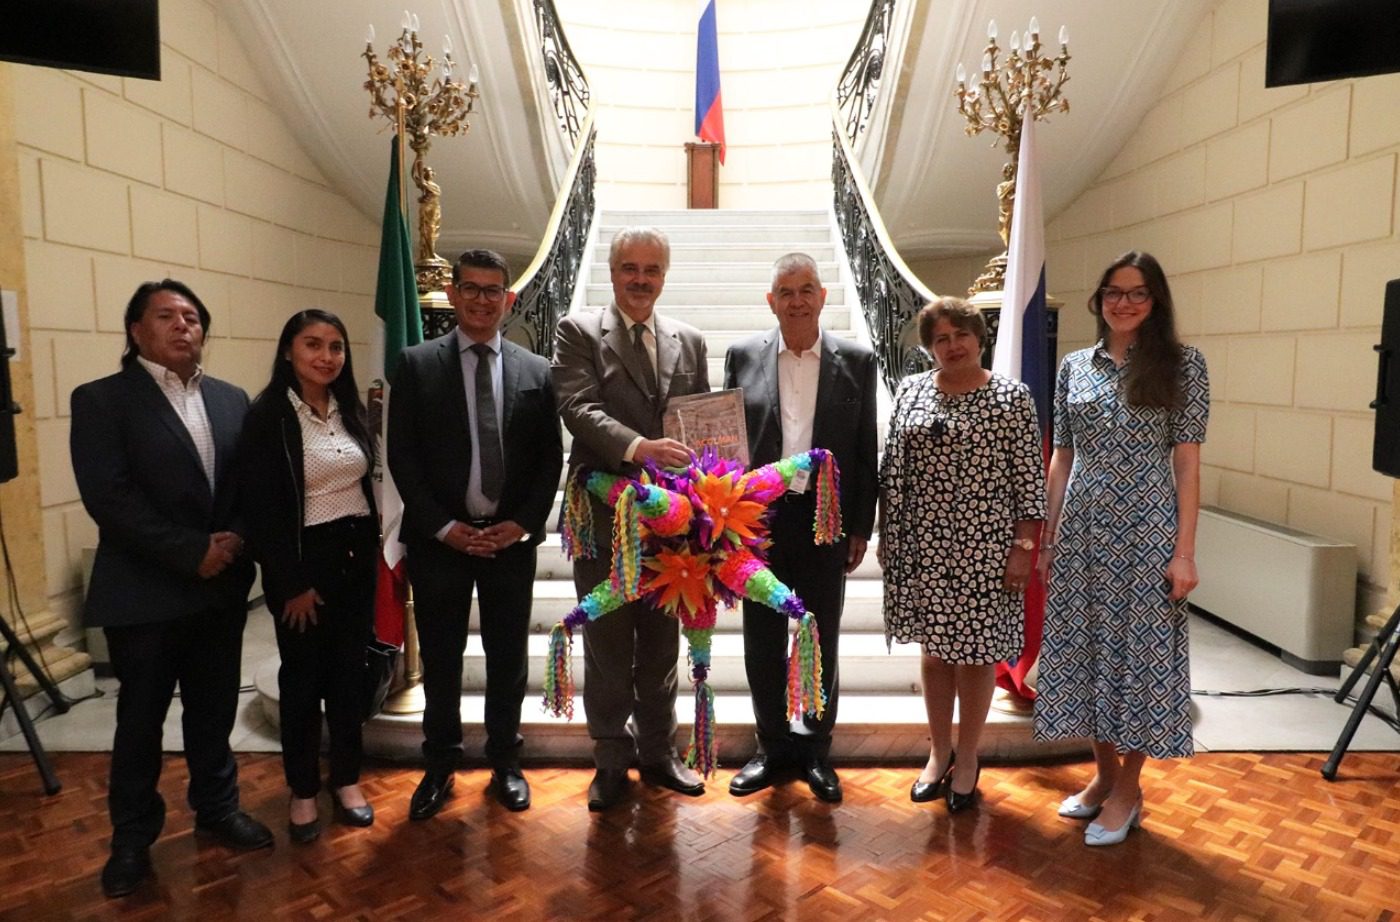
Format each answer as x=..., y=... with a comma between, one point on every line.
x=1290, y=589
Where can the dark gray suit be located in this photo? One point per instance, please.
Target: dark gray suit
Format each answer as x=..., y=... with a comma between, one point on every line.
x=845, y=425
x=629, y=655
x=430, y=457
x=142, y=482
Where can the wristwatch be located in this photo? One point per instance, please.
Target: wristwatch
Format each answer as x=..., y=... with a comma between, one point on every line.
x=1025, y=544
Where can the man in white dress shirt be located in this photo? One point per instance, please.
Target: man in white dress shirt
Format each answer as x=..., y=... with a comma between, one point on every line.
x=803, y=389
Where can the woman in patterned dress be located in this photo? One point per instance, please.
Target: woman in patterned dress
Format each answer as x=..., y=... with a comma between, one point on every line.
x=1120, y=544
x=962, y=493
x=308, y=500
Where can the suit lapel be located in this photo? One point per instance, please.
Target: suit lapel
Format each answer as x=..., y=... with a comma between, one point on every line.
x=668, y=356
x=148, y=390
x=768, y=369
x=615, y=337
x=826, y=384
x=510, y=383
x=449, y=354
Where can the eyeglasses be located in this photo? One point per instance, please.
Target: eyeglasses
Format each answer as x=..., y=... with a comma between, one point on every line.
x=472, y=291
x=1134, y=295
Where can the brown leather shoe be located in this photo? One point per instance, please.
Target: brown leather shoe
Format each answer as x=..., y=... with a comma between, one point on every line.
x=673, y=774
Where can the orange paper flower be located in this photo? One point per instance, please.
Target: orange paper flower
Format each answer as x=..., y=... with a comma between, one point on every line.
x=681, y=577
x=723, y=500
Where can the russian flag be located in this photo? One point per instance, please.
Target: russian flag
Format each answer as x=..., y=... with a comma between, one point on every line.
x=709, y=110
x=1020, y=354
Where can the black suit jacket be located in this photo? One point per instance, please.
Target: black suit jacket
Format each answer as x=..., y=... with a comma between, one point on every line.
x=430, y=448
x=845, y=422
x=141, y=480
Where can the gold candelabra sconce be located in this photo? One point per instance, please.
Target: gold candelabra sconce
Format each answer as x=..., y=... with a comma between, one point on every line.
x=421, y=102
x=1026, y=83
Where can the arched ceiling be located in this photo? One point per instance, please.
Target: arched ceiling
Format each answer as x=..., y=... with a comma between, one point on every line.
x=935, y=185
x=498, y=180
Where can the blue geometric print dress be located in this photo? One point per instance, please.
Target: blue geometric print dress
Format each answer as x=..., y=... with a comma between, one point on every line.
x=1113, y=663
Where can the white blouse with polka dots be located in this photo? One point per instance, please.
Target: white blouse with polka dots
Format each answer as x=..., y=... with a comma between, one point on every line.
x=332, y=463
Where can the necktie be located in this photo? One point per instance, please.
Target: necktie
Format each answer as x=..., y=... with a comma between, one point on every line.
x=639, y=346
x=488, y=430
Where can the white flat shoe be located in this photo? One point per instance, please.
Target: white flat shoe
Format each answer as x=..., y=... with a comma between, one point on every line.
x=1076, y=809
x=1097, y=835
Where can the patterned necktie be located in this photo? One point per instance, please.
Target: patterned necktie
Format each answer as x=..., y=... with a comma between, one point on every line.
x=488, y=430
x=639, y=346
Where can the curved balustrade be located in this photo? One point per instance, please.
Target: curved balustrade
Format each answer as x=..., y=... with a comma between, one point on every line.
x=890, y=294
x=546, y=287
x=859, y=85
x=568, y=87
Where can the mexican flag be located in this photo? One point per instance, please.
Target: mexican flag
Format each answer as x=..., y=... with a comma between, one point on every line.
x=400, y=324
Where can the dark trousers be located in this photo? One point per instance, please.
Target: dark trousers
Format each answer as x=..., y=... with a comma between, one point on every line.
x=201, y=653
x=443, y=580
x=326, y=661
x=817, y=573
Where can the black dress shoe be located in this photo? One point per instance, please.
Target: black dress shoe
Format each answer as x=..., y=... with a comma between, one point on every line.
x=672, y=774
x=304, y=833
x=237, y=831
x=924, y=791
x=432, y=792
x=125, y=870
x=821, y=778
x=351, y=816
x=511, y=789
x=607, y=788
x=754, y=776
x=960, y=802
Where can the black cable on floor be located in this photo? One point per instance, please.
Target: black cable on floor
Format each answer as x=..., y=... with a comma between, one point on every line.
x=1391, y=720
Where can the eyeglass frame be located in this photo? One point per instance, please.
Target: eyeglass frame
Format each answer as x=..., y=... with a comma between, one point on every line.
x=498, y=292
x=1114, y=295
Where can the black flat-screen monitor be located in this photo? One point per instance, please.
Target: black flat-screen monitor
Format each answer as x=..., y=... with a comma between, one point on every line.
x=107, y=36
x=1315, y=40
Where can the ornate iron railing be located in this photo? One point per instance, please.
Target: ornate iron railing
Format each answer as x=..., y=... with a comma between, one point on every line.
x=859, y=85
x=889, y=293
x=545, y=289
x=568, y=87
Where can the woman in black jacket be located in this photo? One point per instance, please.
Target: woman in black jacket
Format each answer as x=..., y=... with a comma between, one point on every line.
x=306, y=456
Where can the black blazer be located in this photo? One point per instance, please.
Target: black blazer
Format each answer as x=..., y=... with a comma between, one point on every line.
x=430, y=451
x=273, y=493
x=845, y=423
x=141, y=480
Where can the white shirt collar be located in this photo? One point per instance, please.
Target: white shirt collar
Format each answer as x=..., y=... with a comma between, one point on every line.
x=304, y=409
x=465, y=342
x=814, y=349
x=165, y=376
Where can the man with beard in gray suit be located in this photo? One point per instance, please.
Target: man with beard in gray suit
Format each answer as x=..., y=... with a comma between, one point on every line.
x=614, y=370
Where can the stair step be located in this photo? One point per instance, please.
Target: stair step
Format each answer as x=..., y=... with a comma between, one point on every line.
x=694, y=254
x=758, y=273
x=721, y=291
x=795, y=235
x=709, y=216
x=738, y=317
x=552, y=564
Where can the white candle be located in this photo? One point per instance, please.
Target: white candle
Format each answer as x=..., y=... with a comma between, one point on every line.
x=407, y=20
x=415, y=22
x=473, y=75
x=1035, y=26
x=962, y=73
x=1015, y=40
x=1064, y=35
x=992, y=29
x=986, y=63
x=369, y=34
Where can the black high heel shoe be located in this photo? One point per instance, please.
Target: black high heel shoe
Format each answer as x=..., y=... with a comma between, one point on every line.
x=304, y=833
x=922, y=792
x=351, y=816
x=960, y=802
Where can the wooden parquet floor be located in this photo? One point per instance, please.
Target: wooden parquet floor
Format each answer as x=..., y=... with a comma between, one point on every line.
x=1227, y=836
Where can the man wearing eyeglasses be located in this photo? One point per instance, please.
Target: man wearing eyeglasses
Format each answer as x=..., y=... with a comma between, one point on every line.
x=475, y=451
x=616, y=370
